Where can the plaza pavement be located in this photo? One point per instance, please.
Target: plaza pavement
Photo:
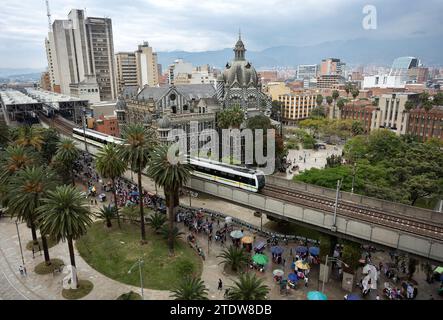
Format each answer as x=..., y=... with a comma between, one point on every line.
x=15, y=286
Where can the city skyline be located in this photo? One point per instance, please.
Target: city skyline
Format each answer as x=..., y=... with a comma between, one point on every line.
x=188, y=26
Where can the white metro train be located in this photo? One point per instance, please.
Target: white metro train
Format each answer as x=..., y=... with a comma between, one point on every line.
x=235, y=176
x=243, y=178
x=95, y=138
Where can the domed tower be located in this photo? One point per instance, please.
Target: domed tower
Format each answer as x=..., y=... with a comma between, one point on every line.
x=163, y=128
x=239, y=83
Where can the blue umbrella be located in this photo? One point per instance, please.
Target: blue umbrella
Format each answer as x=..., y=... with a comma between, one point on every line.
x=301, y=249
x=316, y=295
x=134, y=193
x=314, y=251
x=292, y=277
x=353, y=296
x=277, y=250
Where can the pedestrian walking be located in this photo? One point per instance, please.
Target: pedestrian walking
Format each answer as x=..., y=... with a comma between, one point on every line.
x=220, y=284
x=95, y=201
x=306, y=281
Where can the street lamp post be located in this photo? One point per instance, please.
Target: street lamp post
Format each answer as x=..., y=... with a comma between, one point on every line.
x=326, y=269
x=353, y=177
x=334, y=227
x=84, y=127
x=20, y=243
x=139, y=263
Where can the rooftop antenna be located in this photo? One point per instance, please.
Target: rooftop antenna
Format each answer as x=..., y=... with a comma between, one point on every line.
x=48, y=13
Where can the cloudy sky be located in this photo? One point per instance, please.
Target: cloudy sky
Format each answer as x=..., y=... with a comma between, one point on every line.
x=199, y=25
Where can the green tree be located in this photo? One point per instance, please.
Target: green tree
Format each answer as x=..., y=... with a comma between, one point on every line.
x=438, y=99
x=248, y=287
x=139, y=142
x=234, y=257
x=172, y=235
x=329, y=100
x=357, y=128
x=190, y=289
x=107, y=213
x=172, y=175
x=110, y=165
x=29, y=136
x=4, y=134
x=231, y=117
x=49, y=148
x=348, y=88
x=65, y=215
x=355, y=92
x=335, y=95
x=409, y=105
x=340, y=104
x=276, y=109
x=351, y=255
x=26, y=191
x=13, y=159
x=65, y=157
x=156, y=220
x=319, y=100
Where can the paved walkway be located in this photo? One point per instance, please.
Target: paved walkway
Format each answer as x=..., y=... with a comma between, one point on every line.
x=15, y=286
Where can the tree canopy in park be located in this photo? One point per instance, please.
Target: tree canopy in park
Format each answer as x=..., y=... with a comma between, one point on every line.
x=387, y=167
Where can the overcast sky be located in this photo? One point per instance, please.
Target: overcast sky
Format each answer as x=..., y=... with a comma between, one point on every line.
x=199, y=25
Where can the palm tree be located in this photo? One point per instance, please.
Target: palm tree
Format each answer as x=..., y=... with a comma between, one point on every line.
x=248, y=287
x=139, y=141
x=319, y=100
x=355, y=92
x=156, y=220
x=171, y=175
x=232, y=117
x=409, y=105
x=335, y=95
x=49, y=148
x=107, y=213
x=348, y=89
x=65, y=215
x=4, y=134
x=15, y=158
x=29, y=136
x=190, y=289
x=26, y=191
x=110, y=166
x=67, y=154
x=171, y=235
x=234, y=257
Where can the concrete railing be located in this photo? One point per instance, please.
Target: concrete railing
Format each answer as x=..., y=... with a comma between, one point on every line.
x=410, y=211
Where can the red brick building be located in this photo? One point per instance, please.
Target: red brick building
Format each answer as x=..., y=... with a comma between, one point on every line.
x=426, y=125
x=361, y=110
x=107, y=125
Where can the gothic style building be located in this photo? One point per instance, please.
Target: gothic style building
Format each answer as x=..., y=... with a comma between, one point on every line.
x=239, y=85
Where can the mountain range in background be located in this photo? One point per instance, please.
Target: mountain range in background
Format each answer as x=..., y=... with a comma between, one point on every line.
x=352, y=52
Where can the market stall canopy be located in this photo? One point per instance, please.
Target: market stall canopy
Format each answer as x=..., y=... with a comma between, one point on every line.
x=292, y=277
x=260, y=245
x=316, y=295
x=278, y=273
x=352, y=296
x=276, y=250
x=302, y=265
x=439, y=270
x=247, y=240
x=301, y=249
x=260, y=259
x=315, y=251
x=236, y=234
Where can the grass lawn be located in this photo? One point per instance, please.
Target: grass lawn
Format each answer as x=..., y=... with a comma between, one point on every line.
x=42, y=268
x=51, y=243
x=113, y=252
x=84, y=288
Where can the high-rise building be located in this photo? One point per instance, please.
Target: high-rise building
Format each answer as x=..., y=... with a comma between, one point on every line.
x=307, y=71
x=147, y=67
x=45, y=81
x=126, y=67
x=179, y=66
x=81, y=47
x=332, y=66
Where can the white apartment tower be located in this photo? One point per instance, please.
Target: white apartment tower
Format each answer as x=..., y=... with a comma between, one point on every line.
x=81, y=48
x=147, y=69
